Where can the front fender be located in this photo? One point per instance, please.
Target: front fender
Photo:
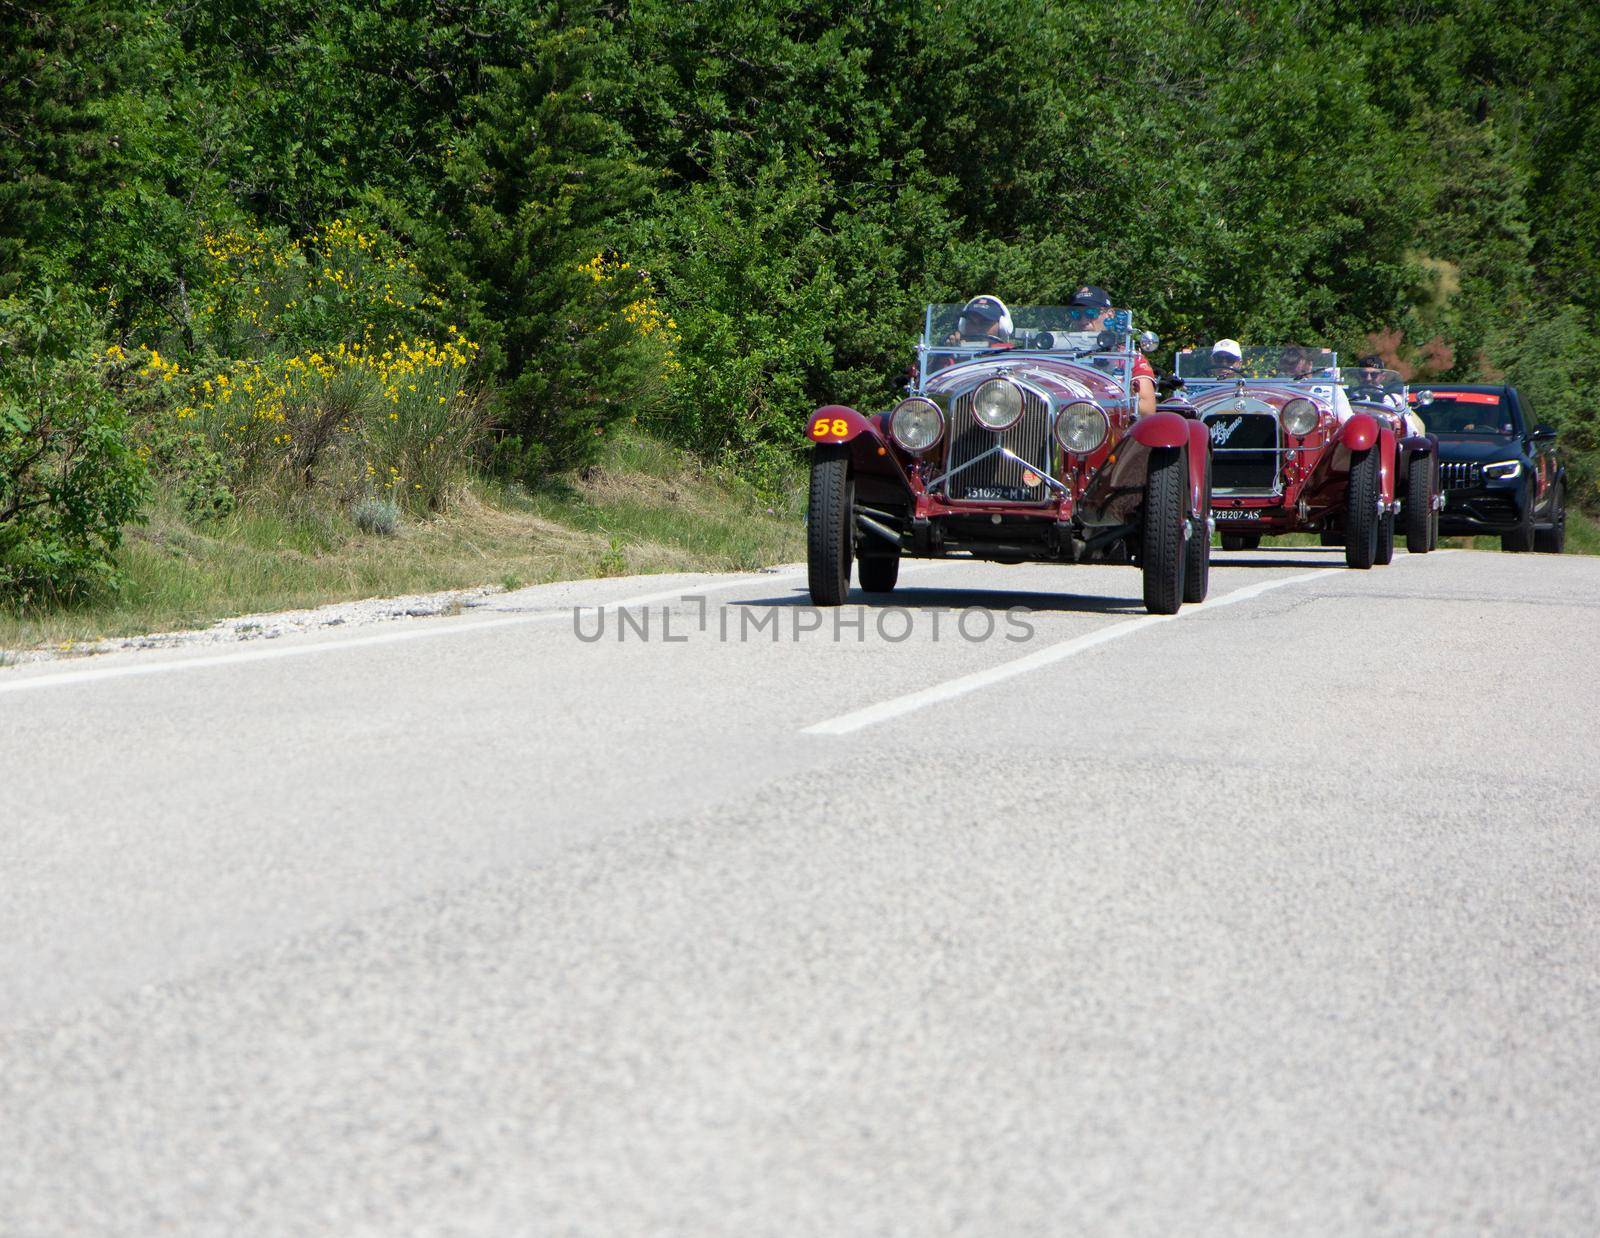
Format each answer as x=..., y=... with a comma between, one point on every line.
x=1163, y=430
x=1199, y=451
x=835, y=423
x=1360, y=432
x=876, y=467
x=1386, y=462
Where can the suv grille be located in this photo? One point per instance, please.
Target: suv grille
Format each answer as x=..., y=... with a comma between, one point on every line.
x=998, y=477
x=1246, y=452
x=1455, y=475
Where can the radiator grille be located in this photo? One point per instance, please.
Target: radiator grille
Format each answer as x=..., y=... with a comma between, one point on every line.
x=997, y=477
x=1245, y=452
x=1458, y=474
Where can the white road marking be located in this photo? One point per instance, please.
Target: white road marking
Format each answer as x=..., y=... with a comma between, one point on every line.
x=422, y=631
x=871, y=715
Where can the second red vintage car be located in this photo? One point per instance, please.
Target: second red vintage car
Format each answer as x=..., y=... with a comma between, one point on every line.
x=1018, y=444
x=1302, y=446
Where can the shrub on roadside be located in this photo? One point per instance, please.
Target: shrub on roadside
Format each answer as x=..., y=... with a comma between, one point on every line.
x=343, y=283
x=70, y=477
x=373, y=515
x=399, y=420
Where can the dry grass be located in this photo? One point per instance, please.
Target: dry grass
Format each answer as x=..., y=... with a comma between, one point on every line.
x=647, y=509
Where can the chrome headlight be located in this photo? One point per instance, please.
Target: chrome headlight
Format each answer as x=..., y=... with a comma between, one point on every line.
x=1082, y=427
x=998, y=404
x=1503, y=470
x=916, y=424
x=1299, y=416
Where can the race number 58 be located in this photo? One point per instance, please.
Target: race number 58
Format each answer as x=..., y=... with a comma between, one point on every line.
x=830, y=427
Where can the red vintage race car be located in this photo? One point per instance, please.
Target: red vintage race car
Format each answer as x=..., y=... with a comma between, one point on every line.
x=1017, y=445
x=1303, y=446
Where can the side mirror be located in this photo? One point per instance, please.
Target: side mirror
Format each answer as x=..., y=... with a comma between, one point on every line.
x=1543, y=434
x=1149, y=341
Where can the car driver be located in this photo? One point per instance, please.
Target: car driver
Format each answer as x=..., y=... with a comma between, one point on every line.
x=984, y=320
x=1227, y=359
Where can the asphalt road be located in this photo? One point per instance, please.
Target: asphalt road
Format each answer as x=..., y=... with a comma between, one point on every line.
x=1282, y=916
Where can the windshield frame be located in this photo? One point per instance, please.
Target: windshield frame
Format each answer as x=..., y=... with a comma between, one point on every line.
x=1023, y=335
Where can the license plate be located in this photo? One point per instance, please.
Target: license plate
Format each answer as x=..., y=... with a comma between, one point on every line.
x=997, y=494
x=1233, y=513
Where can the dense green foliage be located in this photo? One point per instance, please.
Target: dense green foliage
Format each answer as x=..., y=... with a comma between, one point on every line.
x=709, y=217
x=69, y=474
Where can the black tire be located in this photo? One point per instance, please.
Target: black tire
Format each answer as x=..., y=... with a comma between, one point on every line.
x=1361, y=510
x=1197, y=552
x=1553, y=541
x=1385, y=553
x=1162, y=555
x=878, y=572
x=830, y=535
x=1520, y=539
x=1419, y=506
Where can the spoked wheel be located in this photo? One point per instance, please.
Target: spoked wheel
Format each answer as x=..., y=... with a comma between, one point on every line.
x=1197, y=552
x=1553, y=541
x=1385, y=554
x=1361, y=510
x=878, y=572
x=1419, y=505
x=830, y=526
x=1162, y=549
x=1241, y=541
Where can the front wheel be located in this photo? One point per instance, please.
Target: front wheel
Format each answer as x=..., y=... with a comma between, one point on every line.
x=1419, y=505
x=1520, y=539
x=1162, y=554
x=830, y=537
x=1385, y=554
x=1361, y=510
x=1197, y=551
x=1553, y=541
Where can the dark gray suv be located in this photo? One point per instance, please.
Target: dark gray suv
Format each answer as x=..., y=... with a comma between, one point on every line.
x=1499, y=471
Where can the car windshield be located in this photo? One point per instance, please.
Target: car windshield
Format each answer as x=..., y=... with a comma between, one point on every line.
x=1287, y=363
x=1380, y=386
x=1465, y=412
x=952, y=336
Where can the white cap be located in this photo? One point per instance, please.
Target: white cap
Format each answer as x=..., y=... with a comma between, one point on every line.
x=1226, y=348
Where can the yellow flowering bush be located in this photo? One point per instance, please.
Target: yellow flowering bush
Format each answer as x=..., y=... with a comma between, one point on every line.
x=397, y=419
x=342, y=282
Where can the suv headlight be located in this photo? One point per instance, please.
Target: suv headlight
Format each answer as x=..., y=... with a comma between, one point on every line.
x=1299, y=417
x=916, y=424
x=998, y=404
x=1503, y=470
x=1081, y=427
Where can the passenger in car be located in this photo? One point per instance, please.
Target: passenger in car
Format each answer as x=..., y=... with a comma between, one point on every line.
x=1097, y=304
